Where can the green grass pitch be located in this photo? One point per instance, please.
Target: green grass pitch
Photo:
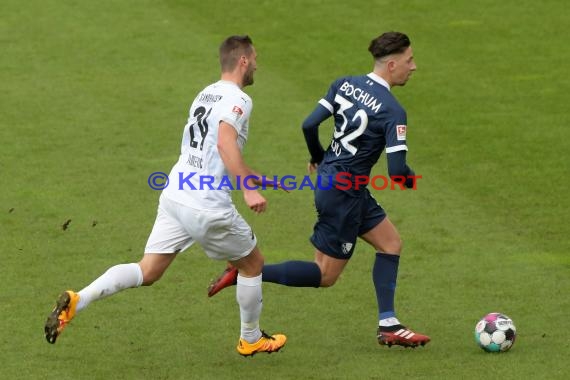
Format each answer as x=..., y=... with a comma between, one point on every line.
x=94, y=96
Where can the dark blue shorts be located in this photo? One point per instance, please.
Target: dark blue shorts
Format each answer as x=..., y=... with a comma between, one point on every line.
x=342, y=216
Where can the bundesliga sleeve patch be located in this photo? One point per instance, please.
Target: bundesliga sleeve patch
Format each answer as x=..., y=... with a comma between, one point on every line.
x=401, y=132
x=237, y=111
x=236, y=114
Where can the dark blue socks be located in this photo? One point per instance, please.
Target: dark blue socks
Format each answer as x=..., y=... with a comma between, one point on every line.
x=384, y=274
x=293, y=273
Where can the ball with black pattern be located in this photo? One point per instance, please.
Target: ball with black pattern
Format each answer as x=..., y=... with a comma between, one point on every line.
x=495, y=332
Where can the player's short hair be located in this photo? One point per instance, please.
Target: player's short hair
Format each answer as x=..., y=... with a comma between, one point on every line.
x=389, y=43
x=232, y=49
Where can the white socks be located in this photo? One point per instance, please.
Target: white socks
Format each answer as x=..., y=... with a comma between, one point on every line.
x=115, y=279
x=124, y=276
x=248, y=295
x=387, y=322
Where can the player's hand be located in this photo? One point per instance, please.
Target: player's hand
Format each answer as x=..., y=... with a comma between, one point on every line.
x=255, y=201
x=312, y=167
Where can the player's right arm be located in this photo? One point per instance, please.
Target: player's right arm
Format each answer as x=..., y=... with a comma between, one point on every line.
x=311, y=132
x=230, y=154
x=323, y=111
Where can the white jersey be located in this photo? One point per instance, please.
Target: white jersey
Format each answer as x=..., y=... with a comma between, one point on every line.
x=199, y=179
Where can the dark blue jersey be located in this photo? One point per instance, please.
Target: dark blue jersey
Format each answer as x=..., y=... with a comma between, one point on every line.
x=367, y=119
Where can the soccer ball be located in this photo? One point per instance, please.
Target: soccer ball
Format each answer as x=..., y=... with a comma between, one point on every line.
x=495, y=332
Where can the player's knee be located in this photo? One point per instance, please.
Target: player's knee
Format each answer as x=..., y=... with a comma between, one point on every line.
x=250, y=265
x=393, y=246
x=398, y=244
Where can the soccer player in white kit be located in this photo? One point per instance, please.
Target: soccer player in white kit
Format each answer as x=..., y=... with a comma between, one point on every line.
x=197, y=206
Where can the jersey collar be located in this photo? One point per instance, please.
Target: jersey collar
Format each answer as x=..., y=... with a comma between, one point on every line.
x=379, y=79
x=228, y=82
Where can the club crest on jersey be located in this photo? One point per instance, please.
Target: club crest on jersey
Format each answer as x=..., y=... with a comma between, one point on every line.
x=401, y=132
x=346, y=247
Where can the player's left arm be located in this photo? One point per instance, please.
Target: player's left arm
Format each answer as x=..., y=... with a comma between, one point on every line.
x=396, y=149
x=398, y=169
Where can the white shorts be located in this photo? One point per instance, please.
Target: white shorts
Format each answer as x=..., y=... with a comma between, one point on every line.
x=223, y=234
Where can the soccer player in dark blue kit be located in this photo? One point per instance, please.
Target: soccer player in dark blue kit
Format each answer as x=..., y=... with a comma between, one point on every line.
x=368, y=119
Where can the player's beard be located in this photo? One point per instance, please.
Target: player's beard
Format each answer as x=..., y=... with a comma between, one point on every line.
x=248, y=76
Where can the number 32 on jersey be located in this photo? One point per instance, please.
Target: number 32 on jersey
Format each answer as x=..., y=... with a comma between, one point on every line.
x=356, y=127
